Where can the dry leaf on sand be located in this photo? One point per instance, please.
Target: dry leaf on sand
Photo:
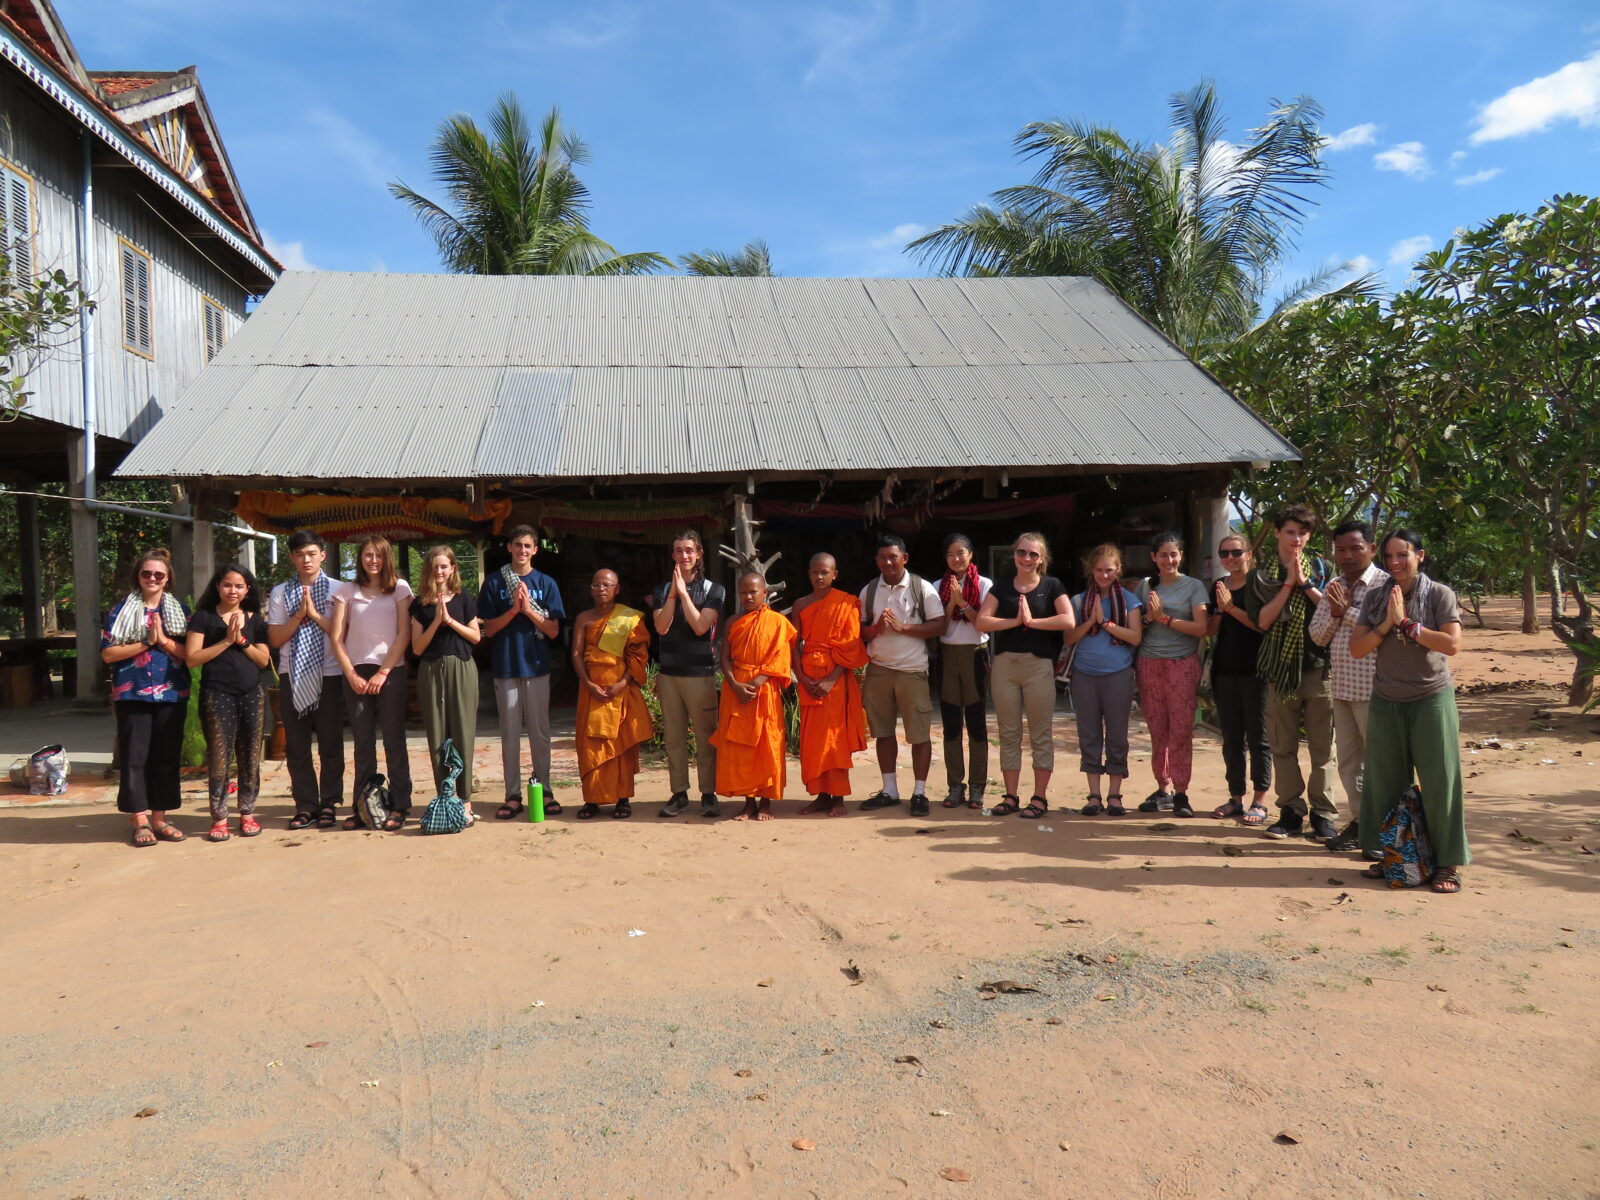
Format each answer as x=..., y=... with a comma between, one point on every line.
x=1006, y=987
x=956, y=1175
x=147, y=1112
x=803, y=1144
x=1289, y=1137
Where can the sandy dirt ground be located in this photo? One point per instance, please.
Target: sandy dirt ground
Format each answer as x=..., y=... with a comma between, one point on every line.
x=659, y=1008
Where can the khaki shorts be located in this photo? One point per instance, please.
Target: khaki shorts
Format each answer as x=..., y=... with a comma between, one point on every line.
x=886, y=693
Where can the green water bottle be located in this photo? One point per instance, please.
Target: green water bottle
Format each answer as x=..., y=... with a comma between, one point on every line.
x=535, y=801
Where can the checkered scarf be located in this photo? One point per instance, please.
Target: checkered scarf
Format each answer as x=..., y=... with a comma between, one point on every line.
x=308, y=648
x=1281, y=659
x=131, y=622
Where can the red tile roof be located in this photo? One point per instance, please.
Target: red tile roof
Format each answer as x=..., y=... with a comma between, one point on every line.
x=115, y=85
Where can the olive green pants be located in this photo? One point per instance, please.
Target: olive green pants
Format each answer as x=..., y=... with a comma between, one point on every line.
x=1417, y=741
x=447, y=689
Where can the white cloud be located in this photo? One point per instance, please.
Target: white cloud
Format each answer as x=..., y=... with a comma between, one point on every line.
x=1572, y=93
x=1404, y=252
x=594, y=28
x=1457, y=157
x=876, y=254
x=1360, y=265
x=897, y=237
x=357, y=148
x=1356, y=135
x=1482, y=176
x=1409, y=158
x=291, y=254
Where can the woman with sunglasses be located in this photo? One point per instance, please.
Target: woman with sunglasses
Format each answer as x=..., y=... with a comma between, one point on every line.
x=1026, y=616
x=150, y=695
x=1240, y=693
x=1413, y=625
x=228, y=642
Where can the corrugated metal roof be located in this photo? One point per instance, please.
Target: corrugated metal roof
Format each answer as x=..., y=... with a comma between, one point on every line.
x=450, y=377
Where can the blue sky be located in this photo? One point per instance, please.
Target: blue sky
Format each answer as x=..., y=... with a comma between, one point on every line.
x=838, y=130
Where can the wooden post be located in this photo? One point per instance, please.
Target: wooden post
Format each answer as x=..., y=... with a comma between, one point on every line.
x=204, y=546
x=28, y=536
x=182, y=542
x=743, y=554
x=85, y=572
x=1210, y=525
x=247, y=553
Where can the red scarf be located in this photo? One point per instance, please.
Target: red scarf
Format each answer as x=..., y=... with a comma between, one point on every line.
x=969, y=589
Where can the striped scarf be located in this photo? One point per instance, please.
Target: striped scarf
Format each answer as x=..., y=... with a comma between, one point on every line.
x=1119, y=609
x=1281, y=659
x=131, y=622
x=513, y=581
x=308, y=648
x=968, y=583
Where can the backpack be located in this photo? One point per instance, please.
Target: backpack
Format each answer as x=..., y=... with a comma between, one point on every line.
x=919, y=610
x=1407, y=851
x=372, y=803
x=445, y=812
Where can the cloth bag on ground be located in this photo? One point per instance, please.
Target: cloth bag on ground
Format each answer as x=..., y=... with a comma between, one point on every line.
x=372, y=805
x=1407, y=852
x=445, y=812
x=44, y=772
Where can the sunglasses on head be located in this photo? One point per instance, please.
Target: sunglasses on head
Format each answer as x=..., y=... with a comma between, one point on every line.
x=1231, y=553
x=153, y=576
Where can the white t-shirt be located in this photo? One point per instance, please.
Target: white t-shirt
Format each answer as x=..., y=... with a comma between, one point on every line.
x=965, y=633
x=372, y=622
x=278, y=614
x=899, y=651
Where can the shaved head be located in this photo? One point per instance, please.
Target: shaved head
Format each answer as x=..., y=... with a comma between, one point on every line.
x=824, y=558
x=756, y=575
x=605, y=575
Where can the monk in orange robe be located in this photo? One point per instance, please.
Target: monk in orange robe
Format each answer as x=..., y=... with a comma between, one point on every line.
x=750, y=725
x=833, y=725
x=611, y=655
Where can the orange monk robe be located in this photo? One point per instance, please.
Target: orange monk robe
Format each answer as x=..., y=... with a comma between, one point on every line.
x=609, y=731
x=833, y=728
x=750, y=738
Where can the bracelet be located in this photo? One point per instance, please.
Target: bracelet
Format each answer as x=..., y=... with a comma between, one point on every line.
x=1408, y=630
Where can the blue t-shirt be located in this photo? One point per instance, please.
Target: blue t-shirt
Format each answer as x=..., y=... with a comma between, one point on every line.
x=520, y=651
x=1098, y=654
x=152, y=676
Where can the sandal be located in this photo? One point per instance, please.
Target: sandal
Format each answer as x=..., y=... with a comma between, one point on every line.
x=588, y=812
x=302, y=820
x=394, y=822
x=1008, y=805
x=1255, y=817
x=168, y=833
x=143, y=835
x=512, y=809
x=249, y=826
x=622, y=811
x=219, y=832
x=1233, y=808
x=353, y=823
x=326, y=818
x=1114, y=806
x=1037, y=807
x=552, y=808
x=1446, y=880
x=1094, y=808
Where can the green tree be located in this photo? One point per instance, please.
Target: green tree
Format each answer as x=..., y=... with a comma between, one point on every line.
x=753, y=259
x=517, y=206
x=37, y=313
x=1190, y=233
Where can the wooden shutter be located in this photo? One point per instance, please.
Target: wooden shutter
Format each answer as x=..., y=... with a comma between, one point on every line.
x=16, y=220
x=216, y=329
x=135, y=300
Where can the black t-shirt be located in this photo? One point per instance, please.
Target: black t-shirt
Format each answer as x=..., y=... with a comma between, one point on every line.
x=680, y=650
x=1234, y=654
x=447, y=643
x=231, y=671
x=1043, y=643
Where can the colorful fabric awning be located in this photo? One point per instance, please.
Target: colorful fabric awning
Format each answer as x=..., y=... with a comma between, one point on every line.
x=351, y=518
x=652, y=522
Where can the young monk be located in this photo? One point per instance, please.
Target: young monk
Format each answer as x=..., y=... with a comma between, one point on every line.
x=756, y=659
x=611, y=655
x=833, y=725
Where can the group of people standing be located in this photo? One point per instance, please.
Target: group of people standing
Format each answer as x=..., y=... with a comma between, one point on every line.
x=1297, y=648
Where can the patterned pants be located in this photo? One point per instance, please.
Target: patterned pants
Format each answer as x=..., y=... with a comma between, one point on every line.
x=1168, y=688
x=232, y=724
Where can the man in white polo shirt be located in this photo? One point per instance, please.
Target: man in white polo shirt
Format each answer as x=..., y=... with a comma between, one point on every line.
x=900, y=612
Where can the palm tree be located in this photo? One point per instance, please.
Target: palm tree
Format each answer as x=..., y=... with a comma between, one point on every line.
x=752, y=260
x=519, y=207
x=1189, y=233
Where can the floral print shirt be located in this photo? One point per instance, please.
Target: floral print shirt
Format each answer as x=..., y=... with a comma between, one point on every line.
x=152, y=676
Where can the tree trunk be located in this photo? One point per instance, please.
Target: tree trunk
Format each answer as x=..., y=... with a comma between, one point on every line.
x=1530, y=588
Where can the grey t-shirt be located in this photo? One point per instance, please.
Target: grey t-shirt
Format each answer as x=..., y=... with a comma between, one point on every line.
x=1407, y=670
x=1179, y=599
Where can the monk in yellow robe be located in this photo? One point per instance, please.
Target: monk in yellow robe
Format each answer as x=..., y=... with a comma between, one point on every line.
x=833, y=725
x=750, y=726
x=611, y=655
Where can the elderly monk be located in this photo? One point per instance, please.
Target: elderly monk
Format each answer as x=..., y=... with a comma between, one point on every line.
x=833, y=725
x=750, y=726
x=611, y=654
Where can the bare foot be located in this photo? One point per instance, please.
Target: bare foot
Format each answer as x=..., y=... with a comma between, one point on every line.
x=823, y=803
x=836, y=807
x=749, y=811
x=764, y=810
